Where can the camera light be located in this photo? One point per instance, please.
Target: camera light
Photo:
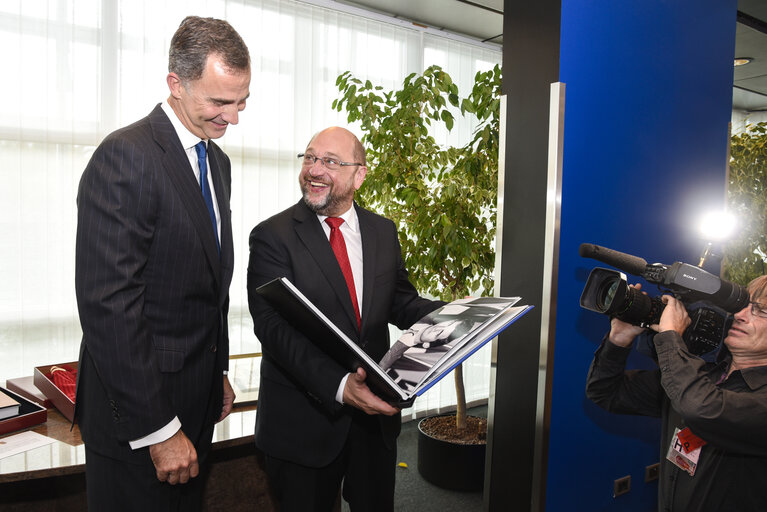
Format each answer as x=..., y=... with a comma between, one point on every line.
x=717, y=226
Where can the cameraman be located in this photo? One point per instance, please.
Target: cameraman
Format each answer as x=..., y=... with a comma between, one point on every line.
x=714, y=415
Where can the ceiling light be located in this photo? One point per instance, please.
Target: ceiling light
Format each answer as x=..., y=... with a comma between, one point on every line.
x=742, y=61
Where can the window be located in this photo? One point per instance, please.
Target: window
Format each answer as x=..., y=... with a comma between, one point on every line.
x=77, y=70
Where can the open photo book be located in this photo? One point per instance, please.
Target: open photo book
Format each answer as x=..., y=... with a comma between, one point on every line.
x=424, y=353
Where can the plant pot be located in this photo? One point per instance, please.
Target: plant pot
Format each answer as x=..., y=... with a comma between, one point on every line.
x=450, y=464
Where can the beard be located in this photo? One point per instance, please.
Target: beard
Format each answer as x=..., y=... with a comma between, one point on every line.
x=331, y=204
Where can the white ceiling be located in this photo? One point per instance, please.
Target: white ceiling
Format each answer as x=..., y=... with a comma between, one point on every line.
x=479, y=19
x=483, y=20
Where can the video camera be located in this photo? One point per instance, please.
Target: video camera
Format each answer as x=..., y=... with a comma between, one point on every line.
x=608, y=292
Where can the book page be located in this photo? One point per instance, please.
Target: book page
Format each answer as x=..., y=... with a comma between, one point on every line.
x=488, y=330
x=434, y=337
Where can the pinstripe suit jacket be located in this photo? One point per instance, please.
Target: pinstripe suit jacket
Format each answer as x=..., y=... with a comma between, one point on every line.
x=298, y=418
x=152, y=290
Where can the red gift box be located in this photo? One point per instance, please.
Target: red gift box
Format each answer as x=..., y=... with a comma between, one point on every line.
x=43, y=379
x=30, y=414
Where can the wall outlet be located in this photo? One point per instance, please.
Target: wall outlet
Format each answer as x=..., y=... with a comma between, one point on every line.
x=651, y=472
x=621, y=486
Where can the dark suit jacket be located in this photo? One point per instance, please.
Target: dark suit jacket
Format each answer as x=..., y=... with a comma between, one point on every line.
x=298, y=417
x=152, y=290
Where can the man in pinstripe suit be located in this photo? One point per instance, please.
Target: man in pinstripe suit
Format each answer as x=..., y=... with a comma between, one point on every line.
x=153, y=267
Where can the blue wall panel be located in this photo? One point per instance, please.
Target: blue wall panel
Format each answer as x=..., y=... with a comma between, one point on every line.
x=648, y=101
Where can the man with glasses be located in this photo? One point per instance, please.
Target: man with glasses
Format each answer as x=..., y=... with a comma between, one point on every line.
x=713, y=415
x=317, y=424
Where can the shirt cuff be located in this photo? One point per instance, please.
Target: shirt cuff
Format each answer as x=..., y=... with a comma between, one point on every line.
x=613, y=352
x=159, y=436
x=666, y=344
x=666, y=340
x=340, y=392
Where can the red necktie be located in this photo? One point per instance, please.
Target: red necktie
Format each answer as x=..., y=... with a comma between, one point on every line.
x=339, y=248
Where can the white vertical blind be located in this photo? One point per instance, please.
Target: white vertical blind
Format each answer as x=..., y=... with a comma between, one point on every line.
x=77, y=70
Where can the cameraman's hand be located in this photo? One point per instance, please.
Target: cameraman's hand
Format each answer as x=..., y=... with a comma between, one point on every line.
x=674, y=316
x=623, y=333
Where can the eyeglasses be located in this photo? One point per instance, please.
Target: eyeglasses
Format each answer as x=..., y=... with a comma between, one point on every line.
x=758, y=309
x=330, y=163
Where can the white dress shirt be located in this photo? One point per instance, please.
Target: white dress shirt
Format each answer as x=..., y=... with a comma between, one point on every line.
x=188, y=142
x=350, y=229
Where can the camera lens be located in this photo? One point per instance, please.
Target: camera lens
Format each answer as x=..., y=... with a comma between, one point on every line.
x=606, y=293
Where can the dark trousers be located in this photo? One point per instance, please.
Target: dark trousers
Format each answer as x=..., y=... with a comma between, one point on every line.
x=113, y=485
x=365, y=467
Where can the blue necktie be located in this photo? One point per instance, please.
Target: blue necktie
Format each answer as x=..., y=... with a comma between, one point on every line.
x=206, y=195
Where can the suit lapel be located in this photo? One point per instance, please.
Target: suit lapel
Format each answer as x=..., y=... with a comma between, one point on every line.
x=313, y=237
x=222, y=198
x=176, y=163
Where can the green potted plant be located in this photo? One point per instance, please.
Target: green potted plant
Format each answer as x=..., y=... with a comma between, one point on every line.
x=442, y=199
x=745, y=256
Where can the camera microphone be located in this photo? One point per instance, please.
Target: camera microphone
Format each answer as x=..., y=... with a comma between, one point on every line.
x=626, y=262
